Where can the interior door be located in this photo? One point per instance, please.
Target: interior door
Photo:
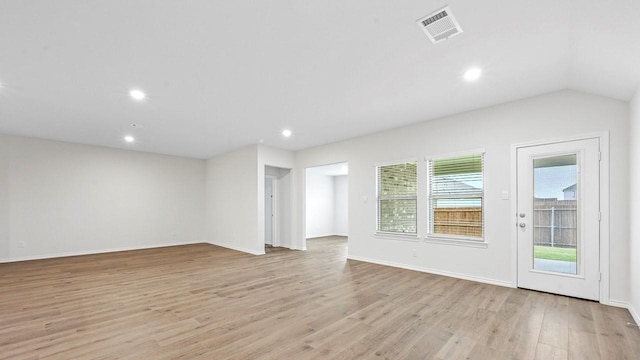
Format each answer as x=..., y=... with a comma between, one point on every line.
x=558, y=218
x=268, y=211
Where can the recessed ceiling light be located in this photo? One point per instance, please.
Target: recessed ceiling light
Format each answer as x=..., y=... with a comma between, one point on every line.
x=137, y=94
x=286, y=133
x=472, y=74
x=129, y=139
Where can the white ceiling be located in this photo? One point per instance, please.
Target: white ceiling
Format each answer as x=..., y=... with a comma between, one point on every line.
x=223, y=74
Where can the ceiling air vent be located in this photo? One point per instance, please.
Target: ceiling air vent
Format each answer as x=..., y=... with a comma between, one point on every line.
x=439, y=25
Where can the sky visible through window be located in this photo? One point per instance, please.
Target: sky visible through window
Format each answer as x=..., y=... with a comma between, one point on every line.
x=550, y=181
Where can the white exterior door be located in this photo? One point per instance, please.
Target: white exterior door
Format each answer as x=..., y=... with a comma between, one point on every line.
x=558, y=218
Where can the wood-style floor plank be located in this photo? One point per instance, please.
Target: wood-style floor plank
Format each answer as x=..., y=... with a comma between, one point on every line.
x=206, y=302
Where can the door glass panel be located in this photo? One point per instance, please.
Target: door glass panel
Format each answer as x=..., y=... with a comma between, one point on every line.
x=555, y=214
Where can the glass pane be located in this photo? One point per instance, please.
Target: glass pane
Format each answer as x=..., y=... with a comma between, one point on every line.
x=555, y=214
x=397, y=180
x=457, y=216
x=398, y=215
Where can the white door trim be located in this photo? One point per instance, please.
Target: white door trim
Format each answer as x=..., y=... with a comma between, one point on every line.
x=275, y=238
x=604, y=206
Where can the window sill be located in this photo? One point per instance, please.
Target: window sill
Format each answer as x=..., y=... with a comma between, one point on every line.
x=393, y=236
x=456, y=241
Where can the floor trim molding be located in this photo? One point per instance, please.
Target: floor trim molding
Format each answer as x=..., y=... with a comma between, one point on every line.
x=94, y=252
x=433, y=271
x=634, y=314
x=237, y=248
x=628, y=306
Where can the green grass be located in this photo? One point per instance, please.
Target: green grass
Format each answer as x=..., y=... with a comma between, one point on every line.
x=554, y=253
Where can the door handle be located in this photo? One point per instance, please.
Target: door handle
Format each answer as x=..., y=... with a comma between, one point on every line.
x=522, y=225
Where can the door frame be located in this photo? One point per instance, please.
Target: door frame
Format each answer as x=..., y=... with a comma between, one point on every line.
x=604, y=205
x=275, y=239
x=271, y=211
x=304, y=199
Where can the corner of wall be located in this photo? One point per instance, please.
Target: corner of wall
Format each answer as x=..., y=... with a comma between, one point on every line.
x=634, y=314
x=5, y=223
x=231, y=192
x=634, y=233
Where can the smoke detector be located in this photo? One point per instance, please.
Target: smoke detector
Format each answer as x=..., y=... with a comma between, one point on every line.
x=440, y=25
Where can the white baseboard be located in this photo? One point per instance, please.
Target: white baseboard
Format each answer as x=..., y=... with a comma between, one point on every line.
x=93, y=252
x=634, y=314
x=617, y=303
x=433, y=271
x=326, y=235
x=628, y=306
x=288, y=246
x=238, y=248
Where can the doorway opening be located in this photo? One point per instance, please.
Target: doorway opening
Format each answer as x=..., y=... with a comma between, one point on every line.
x=277, y=207
x=326, y=203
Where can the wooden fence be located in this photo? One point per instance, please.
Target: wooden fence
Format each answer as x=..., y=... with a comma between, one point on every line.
x=458, y=221
x=555, y=222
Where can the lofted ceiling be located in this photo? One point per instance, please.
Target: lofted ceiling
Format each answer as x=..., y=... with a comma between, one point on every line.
x=220, y=75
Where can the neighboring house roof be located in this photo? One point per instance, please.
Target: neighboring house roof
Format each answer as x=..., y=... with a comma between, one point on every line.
x=570, y=188
x=451, y=184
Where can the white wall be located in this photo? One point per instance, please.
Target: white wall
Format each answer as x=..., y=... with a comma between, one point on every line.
x=320, y=204
x=231, y=199
x=5, y=199
x=341, y=205
x=560, y=114
x=61, y=199
x=634, y=253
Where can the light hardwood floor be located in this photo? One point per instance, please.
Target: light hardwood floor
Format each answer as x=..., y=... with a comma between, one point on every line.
x=206, y=302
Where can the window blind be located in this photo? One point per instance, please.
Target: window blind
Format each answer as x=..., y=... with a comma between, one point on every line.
x=456, y=189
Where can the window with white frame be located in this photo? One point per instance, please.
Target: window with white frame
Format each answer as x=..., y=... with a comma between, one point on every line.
x=456, y=189
x=397, y=198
